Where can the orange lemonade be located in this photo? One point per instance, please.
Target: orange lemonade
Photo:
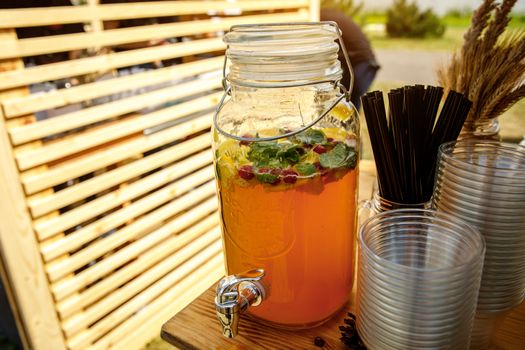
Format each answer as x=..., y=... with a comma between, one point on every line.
x=289, y=207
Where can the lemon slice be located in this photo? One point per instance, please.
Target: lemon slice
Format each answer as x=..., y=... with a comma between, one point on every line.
x=270, y=132
x=230, y=148
x=342, y=112
x=335, y=133
x=311, y=157
x=226, y=167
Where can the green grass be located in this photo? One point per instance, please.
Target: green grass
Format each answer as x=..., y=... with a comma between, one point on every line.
x=452, y=39
x=517, y=19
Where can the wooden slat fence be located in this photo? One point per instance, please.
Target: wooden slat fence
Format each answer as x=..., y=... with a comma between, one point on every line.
x=108, y=215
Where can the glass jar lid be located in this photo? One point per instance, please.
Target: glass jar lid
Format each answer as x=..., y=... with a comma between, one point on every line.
x=280, y=55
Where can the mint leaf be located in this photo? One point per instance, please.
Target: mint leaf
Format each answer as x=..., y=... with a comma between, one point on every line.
x=311, y=137
x=273, y=154
x=262, y=153
x=267, y=178
x=306, y=169
x=341, y=156
x=288, y=155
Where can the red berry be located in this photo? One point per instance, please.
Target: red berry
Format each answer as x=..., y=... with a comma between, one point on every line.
x=289, y=176
x=320, y=149
x=329, y=139
x=323, y=171
x=244, y=142
x=246, y=172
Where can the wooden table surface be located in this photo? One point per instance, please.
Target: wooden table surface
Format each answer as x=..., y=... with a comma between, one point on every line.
x=197, y=327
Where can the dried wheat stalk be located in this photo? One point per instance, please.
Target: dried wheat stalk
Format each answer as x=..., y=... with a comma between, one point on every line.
x=490, y=67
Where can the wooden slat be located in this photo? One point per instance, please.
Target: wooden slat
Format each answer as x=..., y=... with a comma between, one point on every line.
x=315, y=10
x=112, y=109
x=75, y=240
x=113, y=199
x=57, y=98
x=211, y=254
x=59, y=269
x=42, y=205
x=48, y=228
x=108, y=110
x=66, y=287
x=207, y=242
x=95, y=24
x=77, y=302
x=101, y=63
x=103, y=157
x=189, y=275
x=148, y=322
x=115, y=131
x=19, y=250
x=66, y=42
x=123, y=173
x=12, y=18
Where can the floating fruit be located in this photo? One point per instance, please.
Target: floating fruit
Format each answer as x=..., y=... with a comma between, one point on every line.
x=320, y=149
x=246, y=172
x=289, y=176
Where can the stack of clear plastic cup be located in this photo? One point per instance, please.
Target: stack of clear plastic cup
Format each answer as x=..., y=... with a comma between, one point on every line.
x=418, y=280
x=483, y=183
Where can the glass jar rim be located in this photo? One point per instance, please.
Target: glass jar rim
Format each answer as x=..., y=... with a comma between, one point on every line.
x=279, y=32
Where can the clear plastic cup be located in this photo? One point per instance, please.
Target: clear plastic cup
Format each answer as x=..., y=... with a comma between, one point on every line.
x=419, y=273
x=483, y=183
x=494, y=159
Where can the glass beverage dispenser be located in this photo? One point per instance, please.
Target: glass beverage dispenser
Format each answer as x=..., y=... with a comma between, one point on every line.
x=286, y=146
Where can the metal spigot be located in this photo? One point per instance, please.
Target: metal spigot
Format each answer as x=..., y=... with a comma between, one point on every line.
x=235, y=293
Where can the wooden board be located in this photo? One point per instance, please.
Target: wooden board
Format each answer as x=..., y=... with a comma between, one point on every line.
x=22, y=268
x=76, y=41
x=197, y=327
x=68, y=14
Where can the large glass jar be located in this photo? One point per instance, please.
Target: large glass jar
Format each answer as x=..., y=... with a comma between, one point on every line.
x=286, y=146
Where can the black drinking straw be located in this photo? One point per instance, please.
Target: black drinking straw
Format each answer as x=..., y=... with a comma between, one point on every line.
x=405, y=144
x=377, y=139
x=395, y=99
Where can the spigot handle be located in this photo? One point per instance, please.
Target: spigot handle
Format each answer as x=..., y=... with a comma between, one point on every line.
x=227, y=289
x=235, y=293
